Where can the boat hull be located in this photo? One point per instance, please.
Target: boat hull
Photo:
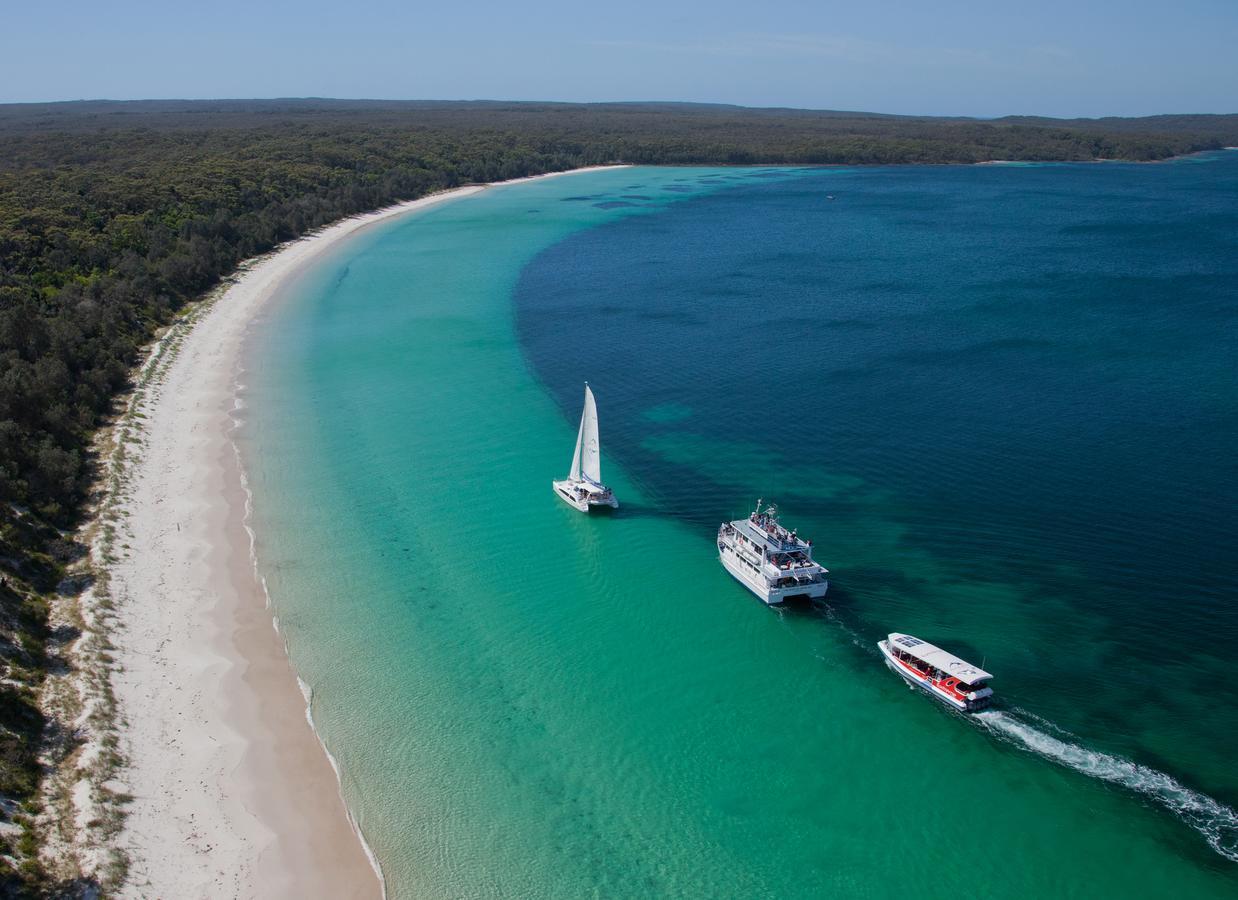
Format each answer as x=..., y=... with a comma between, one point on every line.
x=922, y=683
x=563, y=490
x=756, y=583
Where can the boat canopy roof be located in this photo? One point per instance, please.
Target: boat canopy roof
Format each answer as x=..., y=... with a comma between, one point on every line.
x=772, y=542
x=939, y=659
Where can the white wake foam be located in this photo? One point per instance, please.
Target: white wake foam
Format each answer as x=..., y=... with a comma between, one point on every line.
x=1217, y=822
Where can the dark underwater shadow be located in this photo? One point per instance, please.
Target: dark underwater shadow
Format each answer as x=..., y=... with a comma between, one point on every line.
x=629, y=510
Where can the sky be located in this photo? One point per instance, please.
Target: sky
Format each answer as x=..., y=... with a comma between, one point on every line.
x=928, y=57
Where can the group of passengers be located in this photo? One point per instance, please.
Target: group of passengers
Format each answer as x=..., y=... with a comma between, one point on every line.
x=790, y=560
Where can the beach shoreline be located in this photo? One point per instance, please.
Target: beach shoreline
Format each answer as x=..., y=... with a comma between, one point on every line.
x=225, y=787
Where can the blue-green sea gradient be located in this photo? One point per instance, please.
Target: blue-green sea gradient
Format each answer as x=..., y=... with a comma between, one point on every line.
x=1003, y=402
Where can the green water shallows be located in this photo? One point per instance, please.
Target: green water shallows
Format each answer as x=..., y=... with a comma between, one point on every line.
x=528, y=702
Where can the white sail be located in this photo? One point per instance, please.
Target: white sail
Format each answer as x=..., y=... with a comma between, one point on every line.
x=583, y=490
x=574, y=474
x=590, y=449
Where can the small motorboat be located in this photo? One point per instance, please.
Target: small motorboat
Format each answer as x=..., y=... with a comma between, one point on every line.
x=953, y=681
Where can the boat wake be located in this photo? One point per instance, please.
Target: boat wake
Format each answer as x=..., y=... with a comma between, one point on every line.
x=1217, y=822
x=1214, y=820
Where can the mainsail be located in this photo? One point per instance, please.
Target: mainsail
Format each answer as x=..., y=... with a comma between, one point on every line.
x=591, y=459
x=574, y=474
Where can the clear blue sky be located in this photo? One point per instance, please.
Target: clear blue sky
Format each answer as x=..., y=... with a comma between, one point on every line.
x=1050, y=57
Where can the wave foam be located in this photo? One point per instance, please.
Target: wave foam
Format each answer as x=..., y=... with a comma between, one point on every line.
x=1217, y=822
x=307, y=692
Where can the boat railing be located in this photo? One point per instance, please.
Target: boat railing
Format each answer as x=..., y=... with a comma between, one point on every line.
x=807, y=572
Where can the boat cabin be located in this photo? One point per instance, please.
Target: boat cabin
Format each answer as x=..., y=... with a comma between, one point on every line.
x=763, y=528
x=966, y=683
x=782, y=557
x=774, y=563
x=785, y=552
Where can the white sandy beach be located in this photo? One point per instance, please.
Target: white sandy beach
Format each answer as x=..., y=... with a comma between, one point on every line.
x=233, y=795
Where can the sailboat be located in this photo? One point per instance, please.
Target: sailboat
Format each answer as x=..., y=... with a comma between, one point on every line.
x=583, y=488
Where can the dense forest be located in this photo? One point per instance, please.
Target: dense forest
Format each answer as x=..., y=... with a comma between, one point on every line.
x=114, y=214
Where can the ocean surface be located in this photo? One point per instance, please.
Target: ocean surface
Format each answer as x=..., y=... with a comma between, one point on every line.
x=1002, y=400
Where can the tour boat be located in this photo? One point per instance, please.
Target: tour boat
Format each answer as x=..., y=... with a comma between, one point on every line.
x=773, y=563
x=954, y=681
x=583, y=488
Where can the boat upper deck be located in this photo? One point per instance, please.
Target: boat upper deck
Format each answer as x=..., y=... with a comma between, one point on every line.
x=764, y=531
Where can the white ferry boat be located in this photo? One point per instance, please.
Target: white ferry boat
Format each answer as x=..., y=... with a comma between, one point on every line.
x=773, y=563
x=954, y=681
x=583, y=488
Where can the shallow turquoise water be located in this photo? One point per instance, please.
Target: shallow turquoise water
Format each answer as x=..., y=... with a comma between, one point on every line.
x=528, y=702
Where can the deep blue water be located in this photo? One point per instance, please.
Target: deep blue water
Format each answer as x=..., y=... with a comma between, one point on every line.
x=1004, y=399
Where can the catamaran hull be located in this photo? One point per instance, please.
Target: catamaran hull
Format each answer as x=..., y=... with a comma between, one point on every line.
x=563, y=490
x=757, y=584
x=922, y=684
